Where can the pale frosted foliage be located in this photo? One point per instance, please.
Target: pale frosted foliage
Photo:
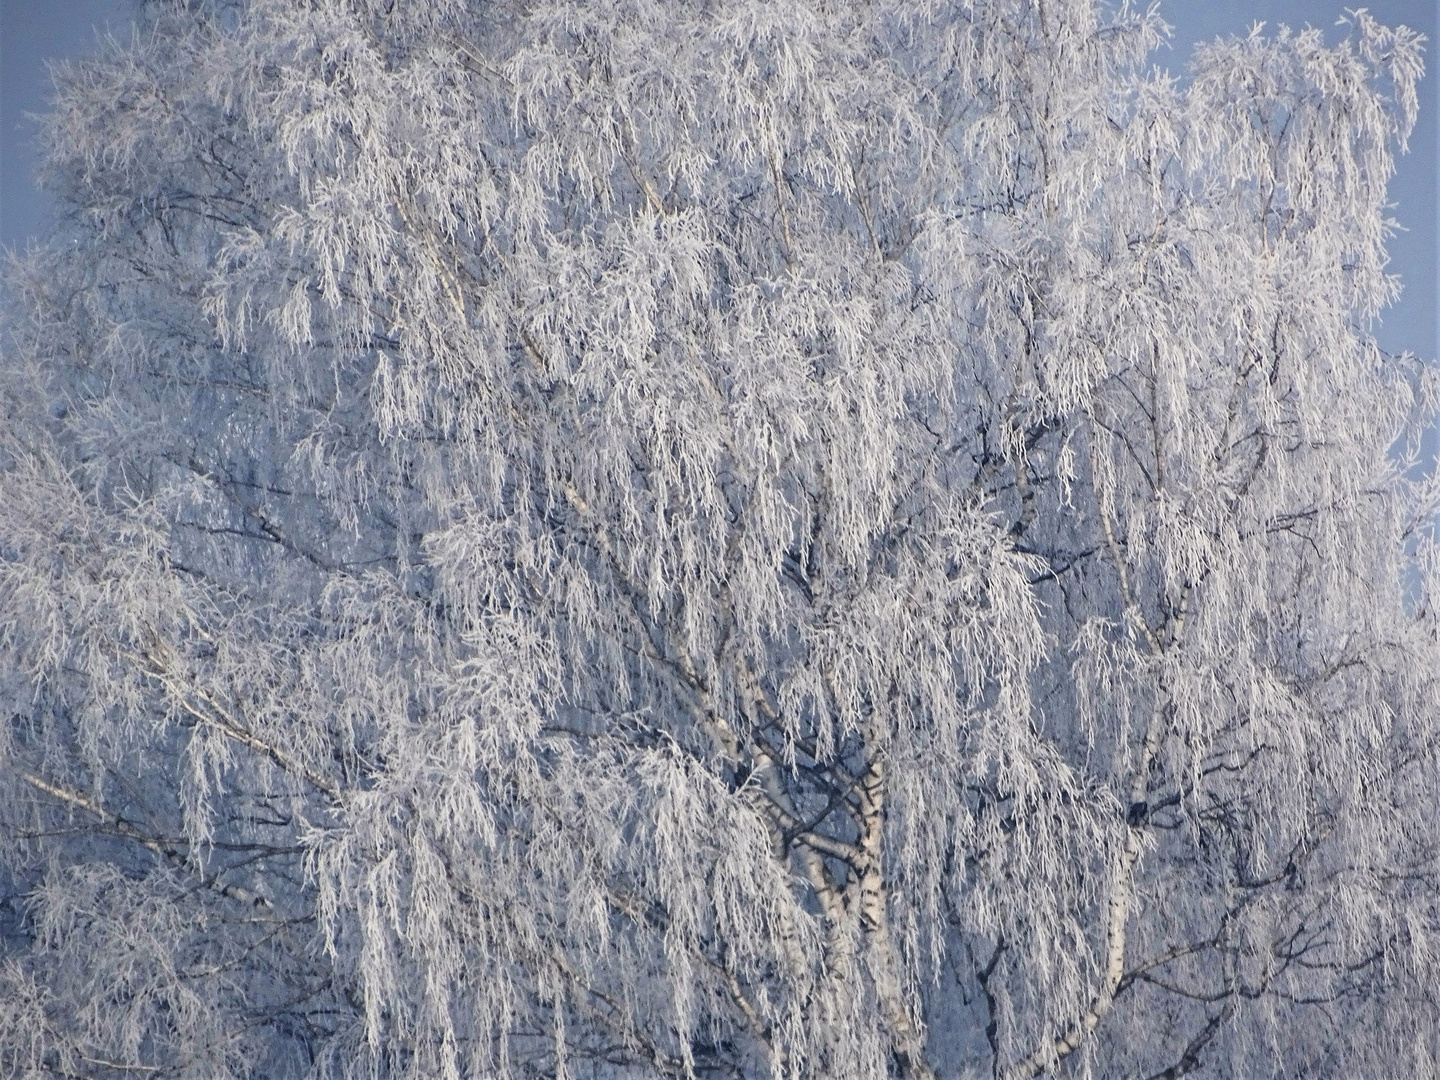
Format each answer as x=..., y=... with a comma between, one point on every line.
x=772, y=540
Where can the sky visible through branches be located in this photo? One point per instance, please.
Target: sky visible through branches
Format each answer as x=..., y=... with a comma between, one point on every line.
x=32, y=33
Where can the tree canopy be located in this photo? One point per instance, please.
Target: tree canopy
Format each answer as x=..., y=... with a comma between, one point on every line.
x=716, y=539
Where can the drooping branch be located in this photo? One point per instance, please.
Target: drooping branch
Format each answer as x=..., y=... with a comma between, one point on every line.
x=160, y=846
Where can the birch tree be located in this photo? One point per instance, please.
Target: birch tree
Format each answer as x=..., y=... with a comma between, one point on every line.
x=716, y=539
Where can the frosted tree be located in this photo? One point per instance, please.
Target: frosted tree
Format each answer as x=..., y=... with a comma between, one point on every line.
x=716, y=539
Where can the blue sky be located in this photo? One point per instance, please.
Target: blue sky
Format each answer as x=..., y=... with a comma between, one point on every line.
x=32, y=31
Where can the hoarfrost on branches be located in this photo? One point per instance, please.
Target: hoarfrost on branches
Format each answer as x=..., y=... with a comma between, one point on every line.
x=726, y=539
